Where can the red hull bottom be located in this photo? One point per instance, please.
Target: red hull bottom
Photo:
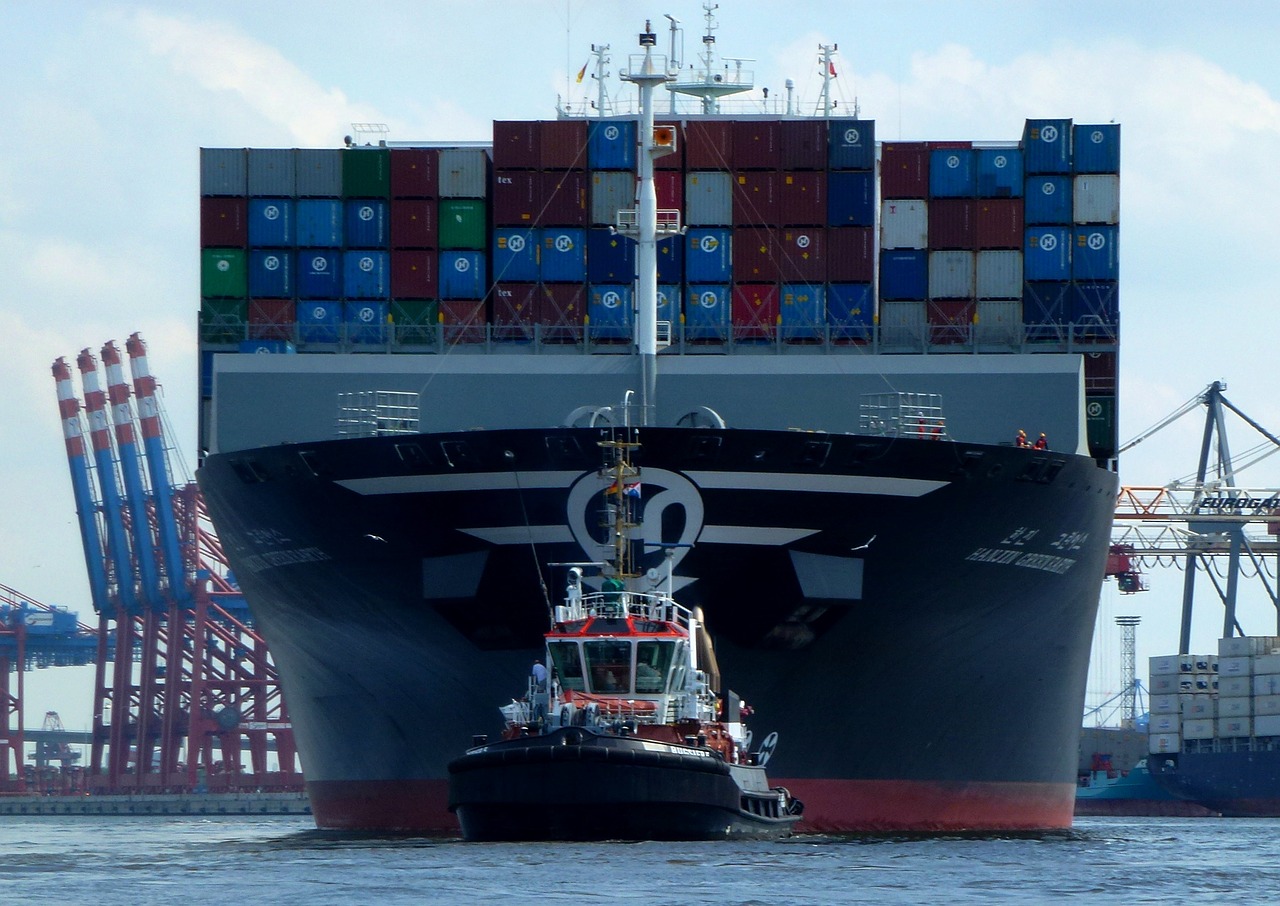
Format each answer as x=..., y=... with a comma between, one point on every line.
x=831, y=806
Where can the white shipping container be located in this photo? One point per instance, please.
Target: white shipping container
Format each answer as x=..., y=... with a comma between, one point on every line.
x=1205, y=682
x=1164, y=665
x=1238, y=646
x=1195, y=706
x=1164, y=723
x=951, y=275
x=1206, y=663
x=1166, y=684
x=902, y=323
x=1235, y=686
x=1265, y=704
x=611, y=191
x=1268, y=684
x=1186, y=663
x=999, y=274
x=1096, y=198
x=1267, y=725
x=1229, y=727
x=463, y=173
x=1235, y=666
x=1236, y=707
x=708, y=198
x=998, y=320
x=1165, y=704
x=904, y=224
x=1198, y=729
x=1266, y=663
x=1159, y=743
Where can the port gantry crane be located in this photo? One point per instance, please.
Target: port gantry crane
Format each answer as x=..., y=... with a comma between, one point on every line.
x=1197, y=522
x=186, y=667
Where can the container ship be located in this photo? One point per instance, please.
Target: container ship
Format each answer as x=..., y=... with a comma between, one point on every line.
x=1215, y=726
x=827, y=352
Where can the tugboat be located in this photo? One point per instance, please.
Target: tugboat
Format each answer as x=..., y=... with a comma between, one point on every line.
x=622, y=734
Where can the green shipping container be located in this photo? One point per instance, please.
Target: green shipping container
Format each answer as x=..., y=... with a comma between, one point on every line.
x=414, y=323
x=223, y=274
x=462, y=223
x=223, y=320
x=1100, y=418
x=366, y=172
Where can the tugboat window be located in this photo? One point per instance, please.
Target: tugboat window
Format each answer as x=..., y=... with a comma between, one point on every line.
x=568, y=665
x=608, y=665
x=653, y=665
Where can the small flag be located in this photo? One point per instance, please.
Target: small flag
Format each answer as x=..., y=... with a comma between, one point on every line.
x=582, y=72
x=831, y=68
x=632, y=490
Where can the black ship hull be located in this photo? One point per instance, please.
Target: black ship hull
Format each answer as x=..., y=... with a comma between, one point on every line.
x=914, y=616
x=1243, y=784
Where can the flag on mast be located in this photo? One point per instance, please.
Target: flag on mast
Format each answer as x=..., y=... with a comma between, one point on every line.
x=831, y=68
x=582, y=72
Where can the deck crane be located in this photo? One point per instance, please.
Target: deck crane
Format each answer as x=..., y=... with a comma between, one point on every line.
x=1206, y=517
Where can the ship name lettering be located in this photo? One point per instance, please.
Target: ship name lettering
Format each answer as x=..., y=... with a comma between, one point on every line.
x=994, y=555
x=258, y=562
x=1047, y=562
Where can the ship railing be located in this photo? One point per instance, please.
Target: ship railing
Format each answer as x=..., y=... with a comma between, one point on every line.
x=643, y=605
x=377, y=413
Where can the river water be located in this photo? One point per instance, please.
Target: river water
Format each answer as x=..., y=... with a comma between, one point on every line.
x=284, y=860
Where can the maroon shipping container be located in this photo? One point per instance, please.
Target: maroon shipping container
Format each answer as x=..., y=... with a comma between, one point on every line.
x=950, y=321
x=754, y=311
x=668, y=185
x=271, y=319
x=802, y=198
x=1099, y=372
x=413, y=274
x=904, y=170
x=951, y=223
x=674, y=160
x=516, y=145
x=562, y=145
x=851, y=254
x=803, y=143
x=517, y=197
x=708, y=145
x=755, y=145
x=514, y=305
x=754, y=255
x=222, y=222
x=801, y=254
x=414, y=172
x=998, y=223
x=413, y=223
x=564, y=198
x=463, y=322
x=755, y=198
x=558, y=310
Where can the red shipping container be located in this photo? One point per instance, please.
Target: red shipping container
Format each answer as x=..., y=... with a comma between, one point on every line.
x=755, y=145
x=950, y=321
x=754, y=255
x=516, y=145
x=559, y=310
x=802, y=198
x=413, y=274
x=668, y=185
x=1099, y=372
x=708, y=145
x=513, y=310
x=755, y=198
x=517, y=197
x=414, y=172
x=562, y=145
x=463, y=322
x=413, y=223
x=222, y=222
x=803, y=144
x=754, y=311
x=951, y=223
x=998, y=223
x=802, y=255
x=904, y=170
x=675, y=160
x=851, y=254
x=564, y=198
x=271, y=319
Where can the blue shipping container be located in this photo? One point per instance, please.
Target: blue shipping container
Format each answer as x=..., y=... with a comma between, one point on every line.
x=270, y=222
x=803, y=310
x=611, y=258
x=462, y=275
x=671, y=260
x=952, y=173
x=611, y=145
x=1096, y=149
x=319, y=222
x=319, y=274
x=1095, y=255
x=366, y=275
x=515, y=255
x=669, y=303
x=366, y=223
x=1048, y=200
x=851, y=145
x=708, y=255
x=609, y=308
x=270, y=274
x=206, y=373
x=1095, y=302
x=706, y=312
x=563, y=255
x=904, y=274
x=851, y=198
x=1046, y=253
x=319, y=322
x=265, y=347
x=1047, y=146
x=850, y=311
x=366, y=322
x=999, y=172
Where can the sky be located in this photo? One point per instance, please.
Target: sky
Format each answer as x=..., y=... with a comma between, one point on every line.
x=107, y=105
